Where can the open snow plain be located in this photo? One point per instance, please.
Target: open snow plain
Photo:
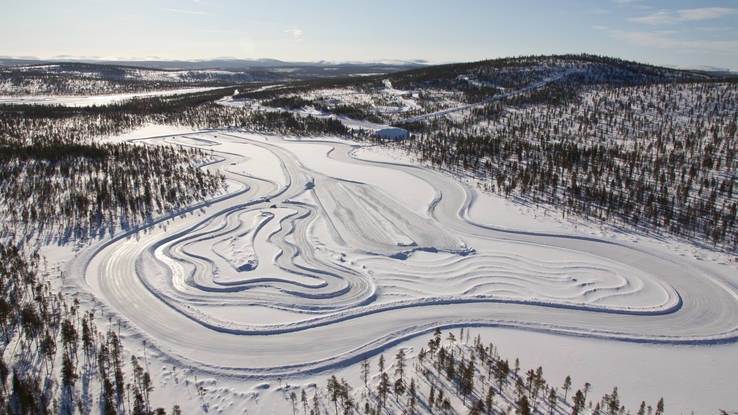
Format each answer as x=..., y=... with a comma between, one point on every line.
x=90, y=100
x=318, y=259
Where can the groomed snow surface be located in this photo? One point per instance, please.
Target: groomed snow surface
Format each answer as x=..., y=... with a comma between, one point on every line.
x=328, y=253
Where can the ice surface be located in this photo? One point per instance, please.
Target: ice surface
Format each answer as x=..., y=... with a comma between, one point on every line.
x=324, y=258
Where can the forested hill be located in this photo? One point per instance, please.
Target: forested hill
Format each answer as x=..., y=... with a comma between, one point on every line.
x=627, y=143
x=488, y=77
x=630, y=144
x=510, y=73
x=651, y=148
x=31, y=77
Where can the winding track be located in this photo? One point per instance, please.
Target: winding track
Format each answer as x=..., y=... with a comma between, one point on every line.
x=155, y=283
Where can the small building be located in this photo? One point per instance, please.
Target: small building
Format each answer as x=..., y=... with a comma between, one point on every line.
x=392, y=133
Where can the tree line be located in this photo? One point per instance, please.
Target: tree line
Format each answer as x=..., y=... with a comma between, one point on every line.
x=453, y=375
x=78, y=191
x=657, y=157
x=53, y=355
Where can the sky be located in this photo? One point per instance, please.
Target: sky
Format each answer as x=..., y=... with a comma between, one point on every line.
x=673, y=33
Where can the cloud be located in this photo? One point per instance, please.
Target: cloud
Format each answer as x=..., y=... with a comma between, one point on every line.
x=189, y=12
x=296, y=33
x=704, y=13
x=684, y=15
x=665, y=40
x=660, y=17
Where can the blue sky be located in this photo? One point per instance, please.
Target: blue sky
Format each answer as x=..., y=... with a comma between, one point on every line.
x=687, y=33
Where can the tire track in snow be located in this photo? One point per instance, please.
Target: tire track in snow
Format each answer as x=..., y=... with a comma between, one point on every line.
x=345, y=318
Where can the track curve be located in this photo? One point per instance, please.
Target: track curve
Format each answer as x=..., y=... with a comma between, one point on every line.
x=346, y=270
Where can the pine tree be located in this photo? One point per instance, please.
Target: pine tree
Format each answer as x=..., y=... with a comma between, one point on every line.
x=293, y=399
x=578, y=403
x=399, y=387
x=383, y=388
x=400, y=365
x=412, y=396
x=523, y=405
x=316, y=404
x=614, y=401
x=552, y=398
x=566, y=386
x=334, y=391
x=489, y=400
x=365, y=372
x=660, y=407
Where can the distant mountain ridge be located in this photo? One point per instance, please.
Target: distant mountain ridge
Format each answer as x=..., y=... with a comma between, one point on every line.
x=493, y=72
x=220, y=64
x=172, y=73
x=223, y=63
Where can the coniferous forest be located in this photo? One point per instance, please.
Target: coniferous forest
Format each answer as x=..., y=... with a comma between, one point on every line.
x=658, y=157
x=59, y=350
x=647, y=148
x=458, y=374
x=640, y=147
x=60, y=184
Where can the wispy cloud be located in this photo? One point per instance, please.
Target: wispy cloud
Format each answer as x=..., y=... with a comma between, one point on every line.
x=228, y=32
x=685, y=15
x=666, y=40
x=295, y=32
x=705, y=13
x=188, y=12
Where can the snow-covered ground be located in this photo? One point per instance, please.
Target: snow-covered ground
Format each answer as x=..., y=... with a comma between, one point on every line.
x=327, y=253
x=90, y=100
x=382, y=130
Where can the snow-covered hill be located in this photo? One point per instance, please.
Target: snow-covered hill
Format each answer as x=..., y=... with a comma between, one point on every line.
x=312, y=246
x=80, y=78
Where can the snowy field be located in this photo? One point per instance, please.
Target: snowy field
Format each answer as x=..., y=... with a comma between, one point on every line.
x=90, y=100
x=327, y=253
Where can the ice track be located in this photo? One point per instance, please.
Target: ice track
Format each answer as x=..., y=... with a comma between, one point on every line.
x=323, y=259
